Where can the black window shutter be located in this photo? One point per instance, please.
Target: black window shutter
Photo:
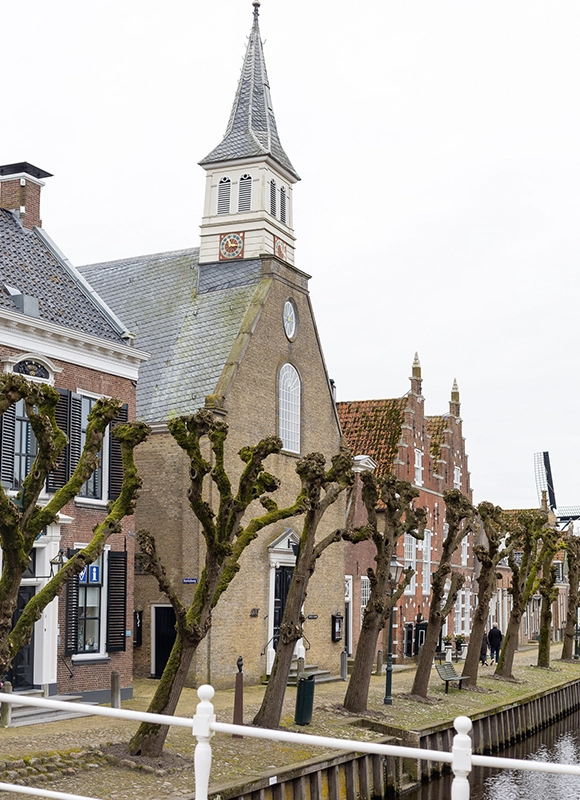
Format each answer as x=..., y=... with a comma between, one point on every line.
x=75, y=433
x=115, y=462
x=7, y=430
x=116, y=601
x=71, y=632
x=61, y=473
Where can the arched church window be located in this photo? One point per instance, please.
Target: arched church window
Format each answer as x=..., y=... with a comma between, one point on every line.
x=224, y=195
x=283, y=204
x=289, y=408
x=245, y=193
x=273, y=197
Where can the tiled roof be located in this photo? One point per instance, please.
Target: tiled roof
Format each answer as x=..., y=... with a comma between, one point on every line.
x=185, y=315
x=373, y=428
x=252, y=127
x=29, y=265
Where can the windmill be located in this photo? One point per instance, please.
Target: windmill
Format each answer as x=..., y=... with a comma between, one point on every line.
x=545, y=484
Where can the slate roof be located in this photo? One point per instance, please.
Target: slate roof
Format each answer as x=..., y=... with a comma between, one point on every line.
x=28, y=263
x=252, y=127
x=186, y=316
x=373, y=428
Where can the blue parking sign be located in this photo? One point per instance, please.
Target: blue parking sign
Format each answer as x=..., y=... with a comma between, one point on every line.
x=94, y=573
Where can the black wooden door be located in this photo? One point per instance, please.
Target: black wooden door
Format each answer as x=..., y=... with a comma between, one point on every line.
x=21, y=674
x=164, y=637
x=281, y=585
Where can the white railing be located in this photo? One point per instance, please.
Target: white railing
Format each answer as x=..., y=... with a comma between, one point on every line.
x=204, y=725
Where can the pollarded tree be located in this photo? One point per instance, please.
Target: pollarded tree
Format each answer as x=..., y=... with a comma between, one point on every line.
x=526, y=529
x=322, y=488
x=397, y=518
x=226, y=538
x=551, y=543
x=573, y=552
x=492, y=545
x=459, y=516
x=22, y=518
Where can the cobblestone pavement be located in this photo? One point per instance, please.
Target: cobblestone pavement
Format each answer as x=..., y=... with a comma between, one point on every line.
x=86, y=755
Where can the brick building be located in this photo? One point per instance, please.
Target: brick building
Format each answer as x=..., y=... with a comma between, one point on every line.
x=230, y=327
x=429, y=452
x=54, y=328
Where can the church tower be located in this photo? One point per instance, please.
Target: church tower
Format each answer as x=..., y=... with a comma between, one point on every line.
x=248, y=196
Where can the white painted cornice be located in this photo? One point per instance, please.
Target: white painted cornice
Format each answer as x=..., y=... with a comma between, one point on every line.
x=65, y=344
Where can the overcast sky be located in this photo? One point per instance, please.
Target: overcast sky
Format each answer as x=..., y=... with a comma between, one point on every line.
x=438, y=146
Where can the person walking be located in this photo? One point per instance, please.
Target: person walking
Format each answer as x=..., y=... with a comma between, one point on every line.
x=495, y=638
x=483, y=651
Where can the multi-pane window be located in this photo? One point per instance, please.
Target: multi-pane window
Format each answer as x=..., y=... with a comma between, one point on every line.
x=89, y=608
x=457, y=478
x=289, y=408
x=365, y=593
x=464, y=551
x=224, y=196
x=418, y=468
x=462, y=622
x=25, y=445
x=245, y=193
x=273, y=197
x=410, y=560
x=427, y=563
x=283, y=204
x=94, y=486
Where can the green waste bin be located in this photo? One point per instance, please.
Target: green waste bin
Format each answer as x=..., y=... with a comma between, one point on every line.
x=304, y=701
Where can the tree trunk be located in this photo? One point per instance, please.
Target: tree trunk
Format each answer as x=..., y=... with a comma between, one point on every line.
x=545, y=632
x=423, y=673
x=573, y=546
x=471, y=666
x=290, y=632
x=569, y=634
x=150, y=738
x=509, y=645
x=357, y=692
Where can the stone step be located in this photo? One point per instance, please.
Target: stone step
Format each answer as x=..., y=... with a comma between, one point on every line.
x=31, y=715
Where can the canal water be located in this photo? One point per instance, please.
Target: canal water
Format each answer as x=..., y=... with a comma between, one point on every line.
x=559, y=742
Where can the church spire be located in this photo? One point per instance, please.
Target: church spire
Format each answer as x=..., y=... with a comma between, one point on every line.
x=252, y=127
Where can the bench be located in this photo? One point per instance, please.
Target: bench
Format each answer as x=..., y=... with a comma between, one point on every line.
x=447, y=673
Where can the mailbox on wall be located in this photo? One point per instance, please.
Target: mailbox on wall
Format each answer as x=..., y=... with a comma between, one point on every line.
x=337, y=620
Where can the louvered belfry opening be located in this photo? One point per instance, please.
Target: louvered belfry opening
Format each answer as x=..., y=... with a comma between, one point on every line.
x=224, y=196
x=273, y=197
x=245, y=193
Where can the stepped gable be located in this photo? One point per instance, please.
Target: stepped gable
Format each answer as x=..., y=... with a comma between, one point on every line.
x=373, y=428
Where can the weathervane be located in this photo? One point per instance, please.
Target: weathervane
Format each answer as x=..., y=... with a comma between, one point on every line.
x=256, y=4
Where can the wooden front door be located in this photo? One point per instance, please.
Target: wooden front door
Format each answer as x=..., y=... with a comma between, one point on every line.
x=282, y=579
x=21, y=673
x=164, y=637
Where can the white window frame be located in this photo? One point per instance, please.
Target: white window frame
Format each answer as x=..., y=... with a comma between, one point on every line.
x=418, y=467
x=365, y=594
x=465, y=551
x=83, y=500
x=427, y=563
x=410, y=548
x=104, y=609
x=289, y=399
x=457, y=478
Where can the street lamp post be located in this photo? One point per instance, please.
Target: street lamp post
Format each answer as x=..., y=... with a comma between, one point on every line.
x=394, y=578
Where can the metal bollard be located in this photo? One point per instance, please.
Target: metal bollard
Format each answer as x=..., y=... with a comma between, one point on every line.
x=6, y=708
x=239, y=697
x=344, y=665
x=379, y=662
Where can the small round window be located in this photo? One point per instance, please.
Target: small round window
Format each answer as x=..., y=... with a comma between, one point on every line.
x=290, y=319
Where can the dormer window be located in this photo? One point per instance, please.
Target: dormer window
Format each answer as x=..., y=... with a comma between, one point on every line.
x=283, y=204
x=273, y=197
x=224, y=196
x=245, y=193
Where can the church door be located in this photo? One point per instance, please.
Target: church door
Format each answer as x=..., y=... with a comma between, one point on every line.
x=21, y=673
x=283, y=579
x=164, y=637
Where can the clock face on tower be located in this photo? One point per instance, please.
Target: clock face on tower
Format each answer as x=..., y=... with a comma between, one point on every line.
x=280, y=248
x=231, y=246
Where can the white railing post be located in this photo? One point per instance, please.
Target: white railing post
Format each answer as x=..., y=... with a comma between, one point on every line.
x=461, y=764
x=202, y=719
